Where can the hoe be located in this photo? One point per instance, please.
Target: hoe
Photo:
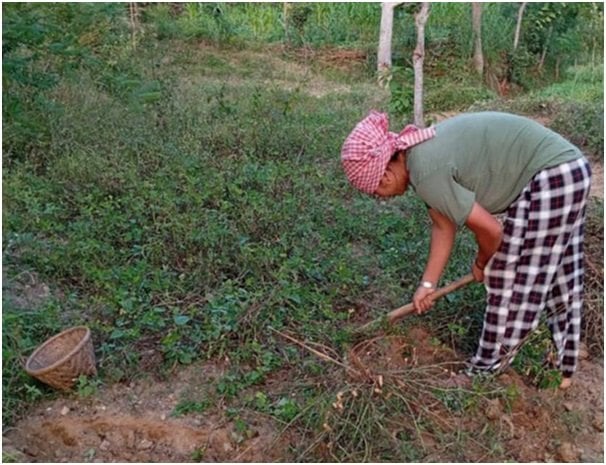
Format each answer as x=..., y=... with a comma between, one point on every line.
x=399, y=313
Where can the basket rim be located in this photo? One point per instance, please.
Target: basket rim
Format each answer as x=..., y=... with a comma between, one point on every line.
x=51, y=367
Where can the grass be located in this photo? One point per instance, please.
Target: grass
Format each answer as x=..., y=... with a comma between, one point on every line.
x=581, y=84
x=181, y=200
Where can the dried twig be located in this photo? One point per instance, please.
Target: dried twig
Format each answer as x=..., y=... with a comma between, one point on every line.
x=313, y=351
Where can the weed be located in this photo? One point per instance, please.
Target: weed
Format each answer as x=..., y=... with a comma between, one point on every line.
x=185, y=407
x=23, y=330
x=198, y=454
x=361, y=421
x=11, y=457
x=455, y=400
x=532, y=360
x=573, y=421
x=89, y=454
x=286, y=409
x=86, y=387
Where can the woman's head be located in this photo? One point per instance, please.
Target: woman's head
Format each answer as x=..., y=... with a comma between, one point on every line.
x=395, y=179
x=368, y=151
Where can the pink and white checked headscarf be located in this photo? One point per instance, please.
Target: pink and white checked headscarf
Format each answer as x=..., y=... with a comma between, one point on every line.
x=369, y=147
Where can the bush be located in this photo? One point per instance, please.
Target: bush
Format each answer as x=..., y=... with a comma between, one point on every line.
x=583, y=125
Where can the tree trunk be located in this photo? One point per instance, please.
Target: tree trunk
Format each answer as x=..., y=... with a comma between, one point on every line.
x=417, y=59
x=516, y=38
x=544, y=52
x=385, y=33
x=285, y=8
x=593, y=52
x=476, y=19
x=133, y=9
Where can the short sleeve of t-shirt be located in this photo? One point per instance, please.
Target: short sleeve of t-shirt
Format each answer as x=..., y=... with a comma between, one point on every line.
x=441, y=192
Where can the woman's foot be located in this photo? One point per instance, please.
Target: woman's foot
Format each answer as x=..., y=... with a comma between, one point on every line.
x=566, y=382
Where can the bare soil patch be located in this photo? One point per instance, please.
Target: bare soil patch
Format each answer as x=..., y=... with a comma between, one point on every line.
x=137, y=423
x=597, y=180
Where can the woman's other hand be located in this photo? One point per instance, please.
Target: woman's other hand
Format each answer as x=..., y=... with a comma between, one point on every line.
x=477, y=271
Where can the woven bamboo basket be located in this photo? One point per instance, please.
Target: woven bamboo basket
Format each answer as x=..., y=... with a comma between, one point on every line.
x=63, y=358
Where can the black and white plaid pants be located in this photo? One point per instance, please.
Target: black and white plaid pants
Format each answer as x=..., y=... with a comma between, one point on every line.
x=539, y=265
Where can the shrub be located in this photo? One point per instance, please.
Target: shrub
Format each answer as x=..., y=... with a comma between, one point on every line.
x=583, y=124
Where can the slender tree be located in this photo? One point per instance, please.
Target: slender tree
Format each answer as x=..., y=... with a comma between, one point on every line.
x=133, y=9
x=545, y=47
x=516, y=38
x=417, y=59
x=476, y=20
x=385, y=34
x=285, y=12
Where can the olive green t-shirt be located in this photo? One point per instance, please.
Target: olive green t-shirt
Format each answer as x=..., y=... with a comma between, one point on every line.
x=485, y=157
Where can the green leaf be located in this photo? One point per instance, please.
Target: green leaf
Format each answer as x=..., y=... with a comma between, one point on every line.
x=181, y=320
x=150, y=97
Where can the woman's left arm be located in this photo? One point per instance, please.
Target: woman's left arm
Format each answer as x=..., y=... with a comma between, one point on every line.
x=488, y=232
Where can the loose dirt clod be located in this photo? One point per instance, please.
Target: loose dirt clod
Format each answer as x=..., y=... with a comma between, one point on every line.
x=598, y=422
x=568, y=453
x=494, y=410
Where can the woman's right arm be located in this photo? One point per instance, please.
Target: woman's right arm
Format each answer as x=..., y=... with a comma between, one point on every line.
x=443, y=232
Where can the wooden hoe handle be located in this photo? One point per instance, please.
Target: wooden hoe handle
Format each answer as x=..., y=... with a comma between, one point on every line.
x=401, y=312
